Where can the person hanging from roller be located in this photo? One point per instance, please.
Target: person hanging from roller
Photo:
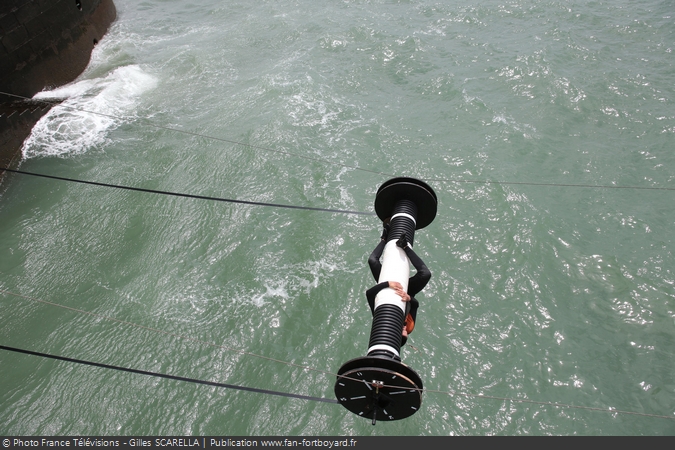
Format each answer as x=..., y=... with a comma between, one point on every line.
x=415, y=283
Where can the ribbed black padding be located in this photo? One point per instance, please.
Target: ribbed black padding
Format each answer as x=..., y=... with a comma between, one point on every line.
x=402, y=224
x=386, y=329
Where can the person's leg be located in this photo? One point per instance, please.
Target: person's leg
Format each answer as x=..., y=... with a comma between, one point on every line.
x=374, y=258
x=423, y=275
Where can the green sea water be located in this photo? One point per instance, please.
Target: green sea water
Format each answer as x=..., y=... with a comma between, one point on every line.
x=549, y=291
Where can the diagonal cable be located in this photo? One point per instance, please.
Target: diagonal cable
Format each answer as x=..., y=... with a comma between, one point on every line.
x=325, y=372
x=163, y=375
x=179, y=194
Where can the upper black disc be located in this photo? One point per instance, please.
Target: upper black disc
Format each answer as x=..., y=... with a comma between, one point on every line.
x=404, y=188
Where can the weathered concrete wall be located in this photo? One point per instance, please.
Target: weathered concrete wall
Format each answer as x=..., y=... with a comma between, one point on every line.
x=16, y=122
x=48, y=42
x=43, y=43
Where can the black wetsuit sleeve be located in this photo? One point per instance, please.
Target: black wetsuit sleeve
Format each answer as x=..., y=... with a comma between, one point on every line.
x=372, y=293
x=374, y=260
x=423, y=275
x=414, y=304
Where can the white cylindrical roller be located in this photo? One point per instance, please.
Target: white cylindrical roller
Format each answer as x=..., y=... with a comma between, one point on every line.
x=395, y=267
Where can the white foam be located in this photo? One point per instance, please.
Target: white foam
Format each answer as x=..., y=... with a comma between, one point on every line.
x=89, y=111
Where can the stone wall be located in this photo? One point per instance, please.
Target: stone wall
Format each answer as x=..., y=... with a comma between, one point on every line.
x=48, y=43
x=43, y=44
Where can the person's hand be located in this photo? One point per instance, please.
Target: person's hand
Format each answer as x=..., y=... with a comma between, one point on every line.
x=403, y=294
x=395, y=285
x=398, y=288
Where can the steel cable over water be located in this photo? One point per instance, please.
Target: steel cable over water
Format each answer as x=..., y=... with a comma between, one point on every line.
x=608, y=410
x=191, y=133
x=178, y=194
x=347, y=166
x=163, y=375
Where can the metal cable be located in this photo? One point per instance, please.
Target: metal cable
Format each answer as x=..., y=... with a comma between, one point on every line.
x=178, y=194
x=325, y=161
x=163, y=375
x=430, y=391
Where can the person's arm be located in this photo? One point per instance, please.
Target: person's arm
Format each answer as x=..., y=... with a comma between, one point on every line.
x=414, y=304
x=395, y=285
x=372, y=293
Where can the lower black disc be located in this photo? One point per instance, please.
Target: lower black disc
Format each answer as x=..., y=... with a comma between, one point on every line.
x=369, y=384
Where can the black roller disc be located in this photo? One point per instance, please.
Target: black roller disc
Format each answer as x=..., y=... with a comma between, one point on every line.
x=381, y=387
x=403, y=188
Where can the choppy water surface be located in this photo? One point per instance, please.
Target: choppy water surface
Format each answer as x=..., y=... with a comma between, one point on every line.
x=559, y=293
